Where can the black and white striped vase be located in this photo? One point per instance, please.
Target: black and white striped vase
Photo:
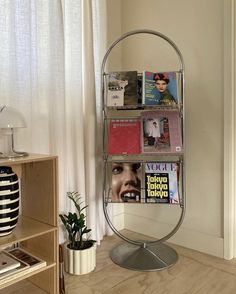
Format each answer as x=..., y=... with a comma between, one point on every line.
x=9, y=200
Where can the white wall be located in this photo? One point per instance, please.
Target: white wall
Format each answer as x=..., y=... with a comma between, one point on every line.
x=197, y=29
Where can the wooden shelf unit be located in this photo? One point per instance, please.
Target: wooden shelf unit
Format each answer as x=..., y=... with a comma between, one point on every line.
x=37, y=227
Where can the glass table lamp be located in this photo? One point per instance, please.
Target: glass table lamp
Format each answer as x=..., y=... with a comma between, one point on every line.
x=10, y=119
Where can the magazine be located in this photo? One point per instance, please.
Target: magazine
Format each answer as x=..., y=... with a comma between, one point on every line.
x=30, y=259
x=125, y=180
x=124, y=136
x=160, y=88
x=13, y=273
x=161, y=132
x=161, y=182
x=122, y=88
x=7, y=262
x=26, y=263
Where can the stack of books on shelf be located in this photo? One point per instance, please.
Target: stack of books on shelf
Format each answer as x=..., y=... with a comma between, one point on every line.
x=17, y=262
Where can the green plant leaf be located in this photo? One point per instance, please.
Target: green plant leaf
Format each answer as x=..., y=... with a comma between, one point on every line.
x=75, y=223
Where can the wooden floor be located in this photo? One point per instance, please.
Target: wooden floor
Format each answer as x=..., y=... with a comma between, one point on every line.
x=194, y=273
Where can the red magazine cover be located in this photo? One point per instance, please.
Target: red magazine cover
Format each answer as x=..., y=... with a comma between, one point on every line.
x=124, y=136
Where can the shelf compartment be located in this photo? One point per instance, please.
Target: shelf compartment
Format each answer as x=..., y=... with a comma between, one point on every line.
x=25, y=287
x=38, y=176
x=41, y=244
x=33, y=277
x=37, y=227
x=26, y=228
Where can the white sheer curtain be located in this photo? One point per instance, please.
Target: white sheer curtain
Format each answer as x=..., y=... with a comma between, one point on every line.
x=50, y=56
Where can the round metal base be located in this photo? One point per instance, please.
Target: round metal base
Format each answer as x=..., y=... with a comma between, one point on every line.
x=153, y=257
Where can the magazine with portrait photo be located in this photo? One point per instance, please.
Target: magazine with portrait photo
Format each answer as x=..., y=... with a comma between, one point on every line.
x=161, y=88
x=161, y=132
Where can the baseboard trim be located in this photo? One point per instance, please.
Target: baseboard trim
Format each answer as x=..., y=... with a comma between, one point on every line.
x=199, y=241
x=208, y=244
x=118, y=221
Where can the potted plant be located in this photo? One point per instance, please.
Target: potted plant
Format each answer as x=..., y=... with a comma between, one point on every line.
x=80, y=250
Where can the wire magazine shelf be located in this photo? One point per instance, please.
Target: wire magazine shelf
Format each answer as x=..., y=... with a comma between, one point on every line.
x=144, y=255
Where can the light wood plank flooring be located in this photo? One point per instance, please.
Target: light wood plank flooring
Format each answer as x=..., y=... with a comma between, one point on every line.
x=194, y=273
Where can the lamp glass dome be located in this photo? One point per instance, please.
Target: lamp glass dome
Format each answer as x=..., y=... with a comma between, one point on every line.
x=11, y=118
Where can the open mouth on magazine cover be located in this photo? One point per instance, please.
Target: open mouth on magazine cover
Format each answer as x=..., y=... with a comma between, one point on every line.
x=130, y=195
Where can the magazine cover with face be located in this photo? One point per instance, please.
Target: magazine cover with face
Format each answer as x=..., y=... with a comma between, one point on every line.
x=125, y=182
x=161, y=88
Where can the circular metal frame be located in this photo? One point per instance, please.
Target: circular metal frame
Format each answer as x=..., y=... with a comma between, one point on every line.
x=144, y=244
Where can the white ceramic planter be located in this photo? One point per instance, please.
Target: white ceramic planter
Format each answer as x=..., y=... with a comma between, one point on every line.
x=80, y=262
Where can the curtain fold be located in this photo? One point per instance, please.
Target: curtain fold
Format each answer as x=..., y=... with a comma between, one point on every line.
x=90, y=112
x=51, y=53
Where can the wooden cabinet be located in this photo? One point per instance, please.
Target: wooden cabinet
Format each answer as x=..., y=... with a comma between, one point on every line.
x=37, y=227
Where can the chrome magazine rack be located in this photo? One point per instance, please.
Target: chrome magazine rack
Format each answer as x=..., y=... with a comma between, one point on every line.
x=134, y=254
